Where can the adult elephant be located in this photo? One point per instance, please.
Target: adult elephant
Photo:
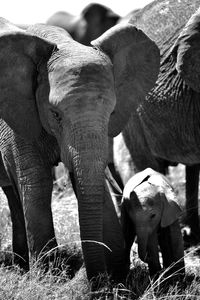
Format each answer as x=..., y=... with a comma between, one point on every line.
x=162, y=22
x=61, y=99
x=94, y=20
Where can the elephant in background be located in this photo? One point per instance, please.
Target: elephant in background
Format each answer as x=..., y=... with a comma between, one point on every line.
x=60, y=100
x=161, y=19
x=149, y=210
x=93, y=21
x=163, y=22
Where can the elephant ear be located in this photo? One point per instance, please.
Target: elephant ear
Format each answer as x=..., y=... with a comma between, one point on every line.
x=136, y=62
x=136, y=180
x=20, y=57
x=188, y=52
x=171, y=210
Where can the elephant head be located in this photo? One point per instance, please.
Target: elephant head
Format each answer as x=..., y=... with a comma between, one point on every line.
x=148, y=204
x=79, y=95
x=93, y=21
x=98, y=18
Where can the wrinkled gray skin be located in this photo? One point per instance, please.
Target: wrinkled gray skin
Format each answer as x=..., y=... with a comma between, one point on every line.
x=149, y=211
x=155, y=148
x=93, y=21
x=61, y=100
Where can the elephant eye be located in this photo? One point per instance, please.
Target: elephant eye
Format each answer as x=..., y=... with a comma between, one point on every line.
x=152, y=216
x=56, y=116
x=112, y=113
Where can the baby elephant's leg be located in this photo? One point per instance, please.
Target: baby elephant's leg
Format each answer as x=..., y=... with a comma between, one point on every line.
x=171, y=244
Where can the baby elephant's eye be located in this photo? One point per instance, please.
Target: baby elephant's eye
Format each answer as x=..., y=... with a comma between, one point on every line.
x=55, y=114
x=152, y=216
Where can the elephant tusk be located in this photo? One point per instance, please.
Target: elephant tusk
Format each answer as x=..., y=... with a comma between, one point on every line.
x=111, y=180
x=100, y=243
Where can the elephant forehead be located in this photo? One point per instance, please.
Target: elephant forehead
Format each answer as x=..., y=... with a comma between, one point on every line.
x=77, y=58
x=148, y=194
x=70, y=76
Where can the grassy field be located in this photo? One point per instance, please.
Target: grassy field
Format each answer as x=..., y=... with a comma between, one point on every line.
x=57, y=285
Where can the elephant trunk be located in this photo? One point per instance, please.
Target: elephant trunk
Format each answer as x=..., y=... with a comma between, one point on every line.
x=87, y=155
x=142, y=239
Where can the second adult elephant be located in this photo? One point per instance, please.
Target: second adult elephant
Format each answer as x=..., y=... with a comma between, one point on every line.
x=172, y=106
x=94, y=20
x=61, y=100
x=172, y=125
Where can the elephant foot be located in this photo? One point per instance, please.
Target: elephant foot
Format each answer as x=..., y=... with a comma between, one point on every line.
x=138, y=280
x=22, y=263
x=66, y=261
x=105, y=287
x=10, y=260
x=105, y=283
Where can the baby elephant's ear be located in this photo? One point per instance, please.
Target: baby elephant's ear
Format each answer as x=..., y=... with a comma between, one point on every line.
x=136, y=180
x=20, y=55
x=136, y=61
x=171, y=210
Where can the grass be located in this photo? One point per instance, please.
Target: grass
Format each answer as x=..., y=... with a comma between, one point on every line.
x=37, y=285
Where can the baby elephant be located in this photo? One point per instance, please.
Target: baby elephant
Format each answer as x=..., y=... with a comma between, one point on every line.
x=150, y=212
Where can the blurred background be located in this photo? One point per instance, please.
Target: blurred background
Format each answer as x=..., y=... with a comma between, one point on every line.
x=29, y=12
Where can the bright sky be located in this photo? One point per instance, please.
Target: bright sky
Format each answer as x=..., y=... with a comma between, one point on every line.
x=25, y=11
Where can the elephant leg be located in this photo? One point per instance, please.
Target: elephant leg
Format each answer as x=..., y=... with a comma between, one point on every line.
x=33, y=178
x=30, y=172
x=113, y=239
x=153, y=254
x=38, y=215
x=19, y=240
x=192, y=187
x=171, y=245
